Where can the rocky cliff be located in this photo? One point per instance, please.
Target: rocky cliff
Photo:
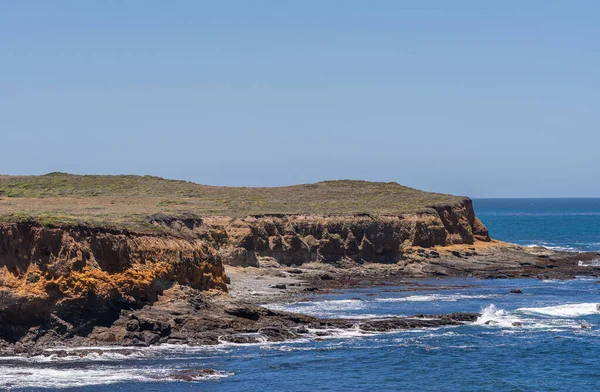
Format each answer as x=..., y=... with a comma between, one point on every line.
x=72, y=278
x=75, y=278
x=296, y=239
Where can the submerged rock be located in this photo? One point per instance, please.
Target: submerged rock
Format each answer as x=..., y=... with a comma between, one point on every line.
x=193, y=374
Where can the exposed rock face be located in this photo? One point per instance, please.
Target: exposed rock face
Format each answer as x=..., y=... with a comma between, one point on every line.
x=75, y=278
x=295, y=239
x=72, y=279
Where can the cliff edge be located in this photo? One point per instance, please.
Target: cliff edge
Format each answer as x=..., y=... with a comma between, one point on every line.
x=77, y=251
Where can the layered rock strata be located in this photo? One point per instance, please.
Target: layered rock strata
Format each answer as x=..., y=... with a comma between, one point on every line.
x=72, y=279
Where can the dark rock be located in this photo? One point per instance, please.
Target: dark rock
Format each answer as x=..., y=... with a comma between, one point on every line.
x=326, y=277
x=163, y=328
x=516, y=291
x=517, y=324
x=150, y=337
x=294, y=271
x=132, y=325
x=279, y=286
x=244, y=312
x=193, y=374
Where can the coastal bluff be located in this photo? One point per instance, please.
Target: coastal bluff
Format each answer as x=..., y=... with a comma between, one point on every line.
x=76, y=251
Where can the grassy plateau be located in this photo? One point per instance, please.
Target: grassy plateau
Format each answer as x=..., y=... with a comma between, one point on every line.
x=127, y=201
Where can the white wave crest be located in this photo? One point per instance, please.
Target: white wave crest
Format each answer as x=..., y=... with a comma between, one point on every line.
x=554, y=247
x=493, y=316
x=591, y=263
x=54, y=378
x=333, y=308
x=567, y=310
x=437, y=297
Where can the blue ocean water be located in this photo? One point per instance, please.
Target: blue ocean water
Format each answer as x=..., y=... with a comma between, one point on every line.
x=546, y=339
x=563, y=224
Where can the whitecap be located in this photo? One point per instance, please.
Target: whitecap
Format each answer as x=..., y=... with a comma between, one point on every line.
x=566, y=310
x=493, y=316
x=559, y=248
x=332, y=308
x=54, y=378
x=590, y=263
x=437, y=297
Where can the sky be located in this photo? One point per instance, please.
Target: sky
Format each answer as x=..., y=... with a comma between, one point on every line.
x=485, y=99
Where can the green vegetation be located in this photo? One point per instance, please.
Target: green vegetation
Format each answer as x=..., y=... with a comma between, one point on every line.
x=128, y=201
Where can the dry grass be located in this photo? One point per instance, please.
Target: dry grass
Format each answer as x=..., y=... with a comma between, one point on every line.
x=128, y=201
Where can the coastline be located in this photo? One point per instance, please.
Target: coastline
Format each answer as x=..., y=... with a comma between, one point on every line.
x=141, y=268
x=182, y=315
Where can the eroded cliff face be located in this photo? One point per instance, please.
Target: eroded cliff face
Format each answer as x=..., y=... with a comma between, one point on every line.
x=296, y=239
x=75, y=278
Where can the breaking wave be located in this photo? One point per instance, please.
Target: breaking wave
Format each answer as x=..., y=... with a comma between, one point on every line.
x=567, y=310
x=437, y=297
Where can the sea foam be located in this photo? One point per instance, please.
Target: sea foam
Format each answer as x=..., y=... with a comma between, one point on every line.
x=567, y=310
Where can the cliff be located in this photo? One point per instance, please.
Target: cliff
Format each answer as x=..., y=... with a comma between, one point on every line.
x=297, y=239
x=76, y=251
x=77, y=277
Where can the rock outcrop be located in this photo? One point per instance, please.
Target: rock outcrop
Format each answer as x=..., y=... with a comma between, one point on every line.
x=296, y=239
x=75, y=278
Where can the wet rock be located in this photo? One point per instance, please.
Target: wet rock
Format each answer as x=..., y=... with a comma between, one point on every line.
x=302, y=330
x=326, y=277
x=150, y=337
x=161, y=327
x=279, y=286
x=516, y=291
x=193, y=374
x=241, y=339
x=517, y=324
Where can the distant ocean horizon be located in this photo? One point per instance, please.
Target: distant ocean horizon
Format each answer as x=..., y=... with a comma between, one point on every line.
x=568, y=224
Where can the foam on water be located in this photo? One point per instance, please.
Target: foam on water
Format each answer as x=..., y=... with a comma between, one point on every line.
x=493, y=316
x=437, y=297
x=591, y=263
x=40, y=377
x=332, y=308
x=496, y=317
x=567, y=310
x=559, y=248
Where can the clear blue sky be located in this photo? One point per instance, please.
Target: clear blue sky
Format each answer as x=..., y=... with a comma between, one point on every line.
x=481, y=98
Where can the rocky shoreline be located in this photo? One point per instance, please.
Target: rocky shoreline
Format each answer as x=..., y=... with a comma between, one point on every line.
x=201, y=281
x=184, y=315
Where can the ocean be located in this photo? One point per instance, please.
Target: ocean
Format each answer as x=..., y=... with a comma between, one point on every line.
x=545, y=339
x=561, y=224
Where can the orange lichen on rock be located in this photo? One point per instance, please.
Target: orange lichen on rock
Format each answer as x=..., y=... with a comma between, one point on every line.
x=65, y=272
